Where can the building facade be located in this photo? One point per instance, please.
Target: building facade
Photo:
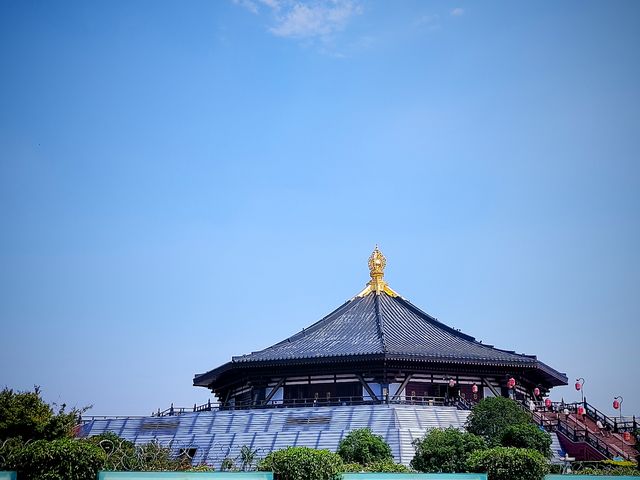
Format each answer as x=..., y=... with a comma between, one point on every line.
x=377, y=348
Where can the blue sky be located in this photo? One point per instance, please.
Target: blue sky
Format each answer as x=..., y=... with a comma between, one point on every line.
x=183, y=182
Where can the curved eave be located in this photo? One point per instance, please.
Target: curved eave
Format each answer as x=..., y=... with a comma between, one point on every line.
x=553, y=377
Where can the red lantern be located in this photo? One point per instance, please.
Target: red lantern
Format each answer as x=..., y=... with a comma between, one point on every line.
x=580, y=410
x=511, y=382
x=474, y=388
x=536, y=392
x=547, y=403
x=616, y=404
x=627, y=436
x=578, y=386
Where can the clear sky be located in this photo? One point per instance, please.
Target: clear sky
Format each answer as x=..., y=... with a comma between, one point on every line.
x=181, y=182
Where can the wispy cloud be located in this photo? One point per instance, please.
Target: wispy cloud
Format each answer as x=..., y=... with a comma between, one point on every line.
x=456, y=12
x=249, y=5
x=319, y=19
x=301, y=19
x=430, y=22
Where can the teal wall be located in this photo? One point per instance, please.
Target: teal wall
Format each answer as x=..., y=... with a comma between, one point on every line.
x=7, y=475
x=185, y=476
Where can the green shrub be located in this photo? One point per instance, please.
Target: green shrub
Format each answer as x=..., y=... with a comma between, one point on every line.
x=120, y=454
x=508, y=463
x=527, y=436
x=386, y=466
x=445, y=450
x=363, y=447
x=62, y=459
x=353, y=468
x=228, y=465
x=302, y=463
x=154, y=457
x=25, y=415
x=606, y=467
x=491, y=416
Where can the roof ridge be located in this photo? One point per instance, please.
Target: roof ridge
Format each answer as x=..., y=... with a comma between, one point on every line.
x=379, y=324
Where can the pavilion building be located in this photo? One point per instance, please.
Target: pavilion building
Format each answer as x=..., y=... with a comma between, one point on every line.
x=377, y=348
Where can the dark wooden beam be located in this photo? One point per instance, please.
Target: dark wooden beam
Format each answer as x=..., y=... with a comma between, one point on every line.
x=402, y=386
x=268, y=398
x=367, y=387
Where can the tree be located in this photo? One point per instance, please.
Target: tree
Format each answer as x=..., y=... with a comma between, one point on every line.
x=491, y=416
x=445, y=450
x=527, y=436
x=363, y=447
x=25, y=415
x=508, y=463
x=60, y=459
x=302, y=463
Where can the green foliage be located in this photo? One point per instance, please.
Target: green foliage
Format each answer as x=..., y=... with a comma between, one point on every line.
x=25, y=415
x=201, y=468
x=363, y=447
x=228, y=465
x=491, y=416
x=621, y=471
x=386, y=466
x=121, y=454
x=527, y=436
x=153, y=457
x=302, y=463
x=445, y=450
x=62, y=459
x=508, y=463
x=606, y=467
x=353, y=468
x=248, y=458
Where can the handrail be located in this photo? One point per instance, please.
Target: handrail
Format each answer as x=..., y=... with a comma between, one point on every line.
x=310, y=402
x=575, y=432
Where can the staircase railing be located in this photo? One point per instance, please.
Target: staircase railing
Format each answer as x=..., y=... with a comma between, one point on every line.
x=575, y=432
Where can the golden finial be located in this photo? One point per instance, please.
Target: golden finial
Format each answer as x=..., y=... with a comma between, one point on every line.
x=377, y=264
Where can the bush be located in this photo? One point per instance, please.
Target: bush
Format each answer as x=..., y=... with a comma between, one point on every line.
x=120, y=454
x=302, y=463
x=527, y=436
x=62, y=459
x=606, y=467
x=445, y=450
x=25, y=415
x=363, y=447
x=385, y=466
x=508, y=463
x=490, y=417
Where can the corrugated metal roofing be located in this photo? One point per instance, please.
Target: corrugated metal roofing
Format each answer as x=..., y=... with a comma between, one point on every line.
x=217, y=435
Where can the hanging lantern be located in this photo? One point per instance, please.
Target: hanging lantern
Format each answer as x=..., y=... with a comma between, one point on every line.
x=547, y=403
x=616, y=404
x=511, y=382
x=578, y=386
x=536, y=392
x=581, y=410
x=452, y=383
x=627, y=436
x=474, y=388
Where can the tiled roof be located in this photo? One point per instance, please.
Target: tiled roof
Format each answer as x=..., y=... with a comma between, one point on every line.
x=385, y=325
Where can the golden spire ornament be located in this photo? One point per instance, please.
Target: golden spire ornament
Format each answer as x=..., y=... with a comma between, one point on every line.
x=377, y=264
